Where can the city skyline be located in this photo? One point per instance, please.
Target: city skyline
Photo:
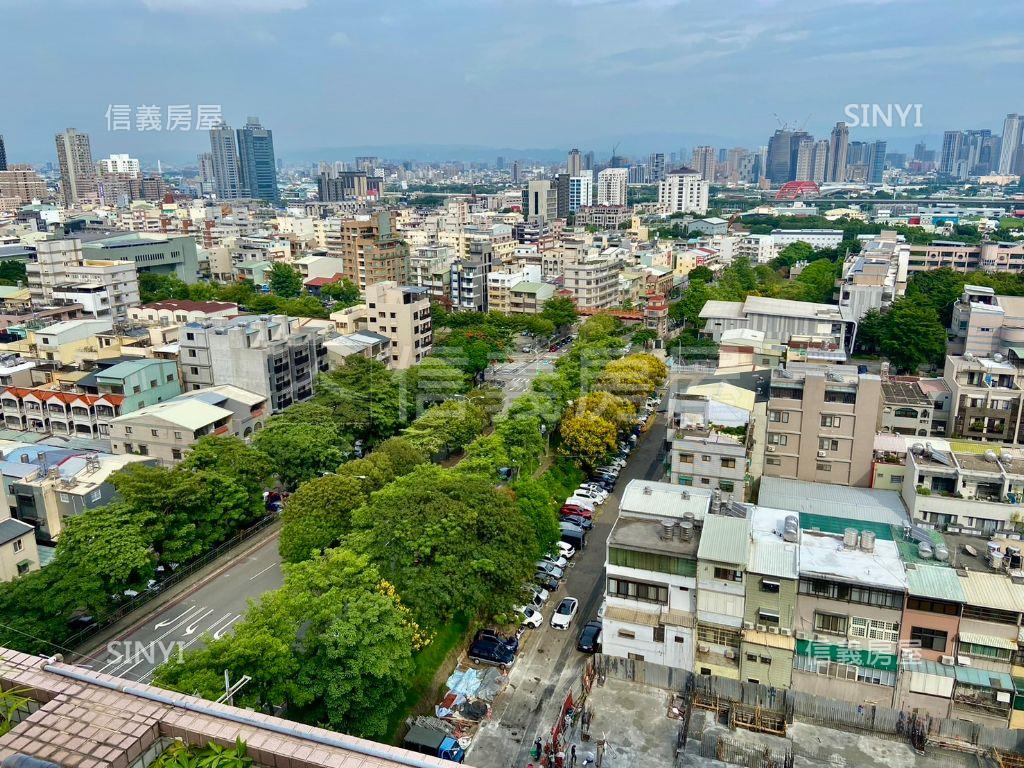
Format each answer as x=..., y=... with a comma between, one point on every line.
x=812, y=62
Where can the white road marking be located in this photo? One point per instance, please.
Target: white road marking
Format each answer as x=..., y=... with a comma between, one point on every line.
x=168, y=622
x=255, y=575
x=191, y=628
x=220, y=632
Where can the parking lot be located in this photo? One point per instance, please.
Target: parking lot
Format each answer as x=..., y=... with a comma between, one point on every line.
x=549, y=663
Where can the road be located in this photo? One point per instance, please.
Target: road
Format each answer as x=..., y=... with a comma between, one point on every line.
x=212, y=608
x=517, y=375
x=549, y=662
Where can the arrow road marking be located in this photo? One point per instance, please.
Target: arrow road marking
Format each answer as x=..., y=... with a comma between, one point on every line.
x=220, y=632
x=168, y=622
x=191, y=628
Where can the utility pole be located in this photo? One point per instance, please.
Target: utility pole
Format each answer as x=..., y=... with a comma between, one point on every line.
x=230, y=690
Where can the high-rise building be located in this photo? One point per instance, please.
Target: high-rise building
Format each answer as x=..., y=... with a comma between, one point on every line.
x=612, y=186
x=780, y=157
x=588, y=161
x=952, y=144
x=562, y=195
x=3, y=154
x=206, y=168
x=540, y=202
x=499, y=164
x=257, y=167
x=819, y=161
x=703, y=161
x=77, y=171
x=334, y=184
x=876, y=162
x=920, y=152
x=837, y=148
x=803, y=165
x=656, y=164
x=120, y=164
x=20, y=181
x=1013, y=137
x=574, y=162
x=683, y=191
x=581, y=190
x=226, y=172
x=371, y=250
x=515, y=171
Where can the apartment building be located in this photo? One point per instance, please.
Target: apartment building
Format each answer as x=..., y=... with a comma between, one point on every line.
x=821, y=424
x=876, y=276
x=18, y=551
x=702, y=455
x=21, y=183
x=683, y=191
x=540, y=201
x=917, y=408
x=528, y=297
x=63, y=275
x=401, y=314
x=966, y=257
x=181, y=311
x=593, y=281
x=781, y=319
x=270, y=355
x=54, y=412
x=603, y=216
x=163, y=254
x=722, y=559
x=500, y=284
x=816, y=238
x=165, y=431
x=370, y=249
x=468, y=281
x=430, y=268
x=612, y=186
x=984, y=323
x=986, y=395
x=757, y=249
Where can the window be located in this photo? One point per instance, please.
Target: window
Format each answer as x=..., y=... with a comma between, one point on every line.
x=18, y=545
x=771, y=618
x=770, y=586
x=773, y=462
x=728, y=574
x=679, y=639
x=830, y=623
x=775, y=438
x=718, y=635
x=154, y=433
x=95, y=495
x=729, y=463
x=766, y=660
x=824, y=466
x=779, y=416
x=659, y=633
x=985, y=651
x=726, y=485
x=929, y=639
x=932, y=606
x=752, y=657
x=170, y=377
x=635, y=656
x=177, y=435
x=127, y=430
x=686, y=458
x=873, y=629
x=834, y=396
x=65, y=498
x=827, y=444
x=638, y=590
x=830, y=421
x=990, y=614
x=628, y=634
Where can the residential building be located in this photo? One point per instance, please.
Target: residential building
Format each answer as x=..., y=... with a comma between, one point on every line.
x=722, y=559
x=140, y=381
x=402, y=314
x=500, y=284
x=181, y=311
x=781, y=319
x=683, y=191
x=603, y=216
x=986, y=396
x=335, y=185
x=757, y=249
x=837, y=148
x=1013, y=137
x=120, y=164
x=703, y=454
x=574, y=162
x=540, y=201
x=257, y=167
x=703, y=161
x=651, y=571
x=166, y=430
x=612, y=185
x=468, y=280
x=21, y=182
x=816, y=238
x=18, y=551
x=594, y=281
x=985, y=324
x=821, y=424
x=49, y=411
x=227, y=172
x=918, y=408
x=779, y=161
x=873, y=278
x=371, y=250
x=77, y=170
x=581, y=191
x=528, y=298
x=362, y=343
x=430, y=268
x=270, y=355
x=149, y=252
x=3, y=154
x=63, y=275
x=318, y=265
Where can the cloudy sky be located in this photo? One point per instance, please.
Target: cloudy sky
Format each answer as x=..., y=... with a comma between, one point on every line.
x=651, y=74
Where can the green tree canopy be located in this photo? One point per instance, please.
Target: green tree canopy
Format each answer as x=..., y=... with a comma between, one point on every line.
x=301, y=450
x=913, y=335
x=560, y=310
x=284, y=280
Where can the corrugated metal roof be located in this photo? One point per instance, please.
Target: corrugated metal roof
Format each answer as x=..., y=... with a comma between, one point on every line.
x=864, y=504
x=931, y=668
x=992, y=590
x=774, y=558
x=935, y=582
x=646, y=497
x=725, y=540
x=989, y=641
x=984, y=678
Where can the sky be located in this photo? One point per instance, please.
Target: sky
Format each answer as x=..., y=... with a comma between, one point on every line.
x=475, y=77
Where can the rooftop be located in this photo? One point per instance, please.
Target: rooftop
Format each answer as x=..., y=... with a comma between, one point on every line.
x=902, y=393
x=824, y=555
x=934, y=582
x=189, y=413
x=725, y=539
x=859, y=504
x=645, y=497
x=645, y=535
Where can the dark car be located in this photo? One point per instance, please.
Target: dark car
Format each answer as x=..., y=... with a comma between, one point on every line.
x=550, y=583
x=80, y=622
x=489, y=634
x=488, y=650
x=590, y=637
x=575, y=509
x=583, y=522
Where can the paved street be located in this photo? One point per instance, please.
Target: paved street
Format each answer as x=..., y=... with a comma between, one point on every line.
x=213, y=608
x=518, y=374
x=549, y=661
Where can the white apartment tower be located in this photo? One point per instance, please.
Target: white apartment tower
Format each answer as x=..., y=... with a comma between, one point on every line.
x=1013, y=136
x=581, y=190
x=683, y=191
x=120, y=164
x=612, y=186
x=77, y=171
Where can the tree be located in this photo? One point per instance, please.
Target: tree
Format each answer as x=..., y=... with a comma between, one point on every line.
x=345, y=292
x=817, y=281
x=598, y=327
x=688, y=308
x=940, y=288
x=446, y=427
x=319, y=514
x=913, y=334
x=588, y=438
x=156, y=287
x=870, y=331
x=560, y=310
x=231, y=457
x=793, y=253
x=284, y=280
x=618, y=410
x=301, y=450
x=334, y=646
x=700, y=274
x=363, y=398
x=450, y=543
x=13, y=272
x=430, y=382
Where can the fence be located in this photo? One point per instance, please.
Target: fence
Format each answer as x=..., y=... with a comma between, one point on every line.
x=181, y=573
x=715, y=746
x=831, y=713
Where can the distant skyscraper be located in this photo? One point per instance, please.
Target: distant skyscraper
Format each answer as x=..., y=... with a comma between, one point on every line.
x=581, y=190
x=3, y=154
x=256, y=163
x=803, y=163
x=920, y=152
x=562, y=193
x=819, y=162
x=876, y=162
x=838, y=146
x=226, y=173
x=780, y=157
x=952, y=144
x=574, y=162
x=120, y=164
x=703, y=161
x=206, y=174
x=77, y=170
x=588, y=161
x=515, y=171
x=500, y=163
x=1013, y=137
x=656, y=163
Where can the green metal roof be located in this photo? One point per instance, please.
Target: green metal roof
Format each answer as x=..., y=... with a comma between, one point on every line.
x=984, y=678
x=833, y=524
x=908, y=548
x=725, y=540
x=935, y=582
x=127, y=368
x=846, y=655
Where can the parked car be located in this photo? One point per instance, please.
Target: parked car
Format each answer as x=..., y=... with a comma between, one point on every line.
x=596, y=496
x=559, y=560
x=566, y=549
x=540, y=595
x=582, y=502
x=596, y=488
x=530, y=616
x=608, y=483
x=565, y=613
x=589, y=640
x=584, y=523
x=428, y=741
x=550, y=568
x=550, y=583
x=485, y=634
x=527, y=349
x=489, y=650
x=576, y=509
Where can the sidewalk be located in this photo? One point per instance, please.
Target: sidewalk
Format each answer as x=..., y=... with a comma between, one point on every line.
x=178, y=592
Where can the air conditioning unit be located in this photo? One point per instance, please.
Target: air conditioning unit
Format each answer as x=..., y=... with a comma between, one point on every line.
x=773, y=630
x=801, y=635
x=748, y=625
x=760, y=628
x=949, y=661
x=770, y=448
x=729, y=653
x=822, y=454
x=703, y=648
x=963, y=661
x=785, y=631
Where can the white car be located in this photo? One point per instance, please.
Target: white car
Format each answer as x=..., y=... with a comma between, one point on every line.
x=565, y=549
x=531, y=617
x=583, y=493
x=580, y=501
x=554, y=559
x=565, y=613
x=600, y=611
x=540, y=595
x=595, y=488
